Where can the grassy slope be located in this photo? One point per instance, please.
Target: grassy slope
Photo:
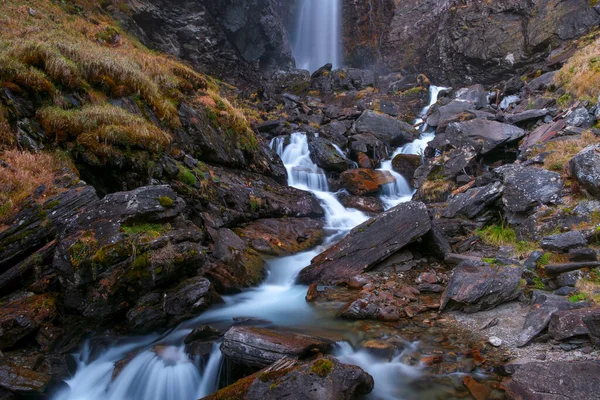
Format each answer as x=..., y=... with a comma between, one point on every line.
x=53, y=49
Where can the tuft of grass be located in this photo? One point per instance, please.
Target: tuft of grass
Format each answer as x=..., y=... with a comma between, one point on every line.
x=576, y=298
x=562, y=151
x=150, y=230
x=503, y=235
x=322, y=367
x=24, y=172
x=544, y=260
x=186, y=176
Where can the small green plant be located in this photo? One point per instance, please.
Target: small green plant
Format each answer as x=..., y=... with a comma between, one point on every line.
x=165, y=201
x=577, y=298
x=322, y=367
x=489, y=260
x=186, y=176
x=544, y=260
x=538, y=283
x=255, y=203
x=151, y=230
x=498, y=235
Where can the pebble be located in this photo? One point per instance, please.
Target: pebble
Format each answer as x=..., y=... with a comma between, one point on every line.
x=495, y=341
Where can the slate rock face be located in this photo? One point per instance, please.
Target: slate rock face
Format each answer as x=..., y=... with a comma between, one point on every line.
x=555, y=380
x=570, y=323
x=386, y=128
x=564, y=241
x=474, y=201
x=368, y=244
x=585, y=167
x=477, y=286
x=483, y=135
x=528, y=187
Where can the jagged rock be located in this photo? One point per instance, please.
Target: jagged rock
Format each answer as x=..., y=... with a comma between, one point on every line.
x=555, y=380
x=526, y=116
x=323, y=379
x=259, y=347
x=474, y=201
x=569, y=323
x=369, y=144
x=406, y=165
x=476, y=95
x=483, y=135
x=478, y=286
x=385, y=128
x=148, y=314
x=190, y=298
x=278, y=237
x=326, y=156
x=22, y=317
x=202, y=332
x=528, y=187
x=441, y=115
x=581, y=118
x=363, y=181
x=592, y=322
x=542, y=134
x=368, y=244
x=23, y=380
x=585, y=167
x=564, y=241
x=544, y=305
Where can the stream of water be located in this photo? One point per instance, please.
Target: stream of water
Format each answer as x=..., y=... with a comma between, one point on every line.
x=160, y=369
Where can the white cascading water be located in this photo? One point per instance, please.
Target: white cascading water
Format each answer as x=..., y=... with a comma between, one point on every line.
x=400, y=190
x=160, y=368
x=318, y=40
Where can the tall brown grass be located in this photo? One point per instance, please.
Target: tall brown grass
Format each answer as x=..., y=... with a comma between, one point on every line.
x=580, y=76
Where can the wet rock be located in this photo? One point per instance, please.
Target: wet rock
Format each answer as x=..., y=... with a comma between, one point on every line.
x=585, y=167
x=563, y=242
x=190, y=298
x=24, y=316
x=325, y=155
x=22, y=380
x=368, y=204
x=483, y=135
x=369, y=244
x=324, y=378
x=543, y=306
x=555, y=380
x=478, y=286
x=365, y=181
x=259, y=347
x=202, y=332
x=474, y=201
x=406, y=165
x=385, y=128
x=528, y=187
x=282, y=236
x=147, y=315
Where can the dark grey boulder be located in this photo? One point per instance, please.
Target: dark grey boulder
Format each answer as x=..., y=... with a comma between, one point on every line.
x=483, y=135
x=569, y=323
x=585, y=167
x=526, y=116
x=581, y=118
x=325, y=155
x=541, y=82
x=440, y=115
x=477, y=286
x=528, y=187
x=474, y=201
x=369, y=244
x=564, y=241
x=476, y=95
x=543, y=306
x=406, y=165
x=555, y=380
x=191, y=297
x=592, y=322
x=259, y=347
x=386, y=128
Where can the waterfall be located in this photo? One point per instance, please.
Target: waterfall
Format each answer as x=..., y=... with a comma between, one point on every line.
x=318, y=34
x=400, y=191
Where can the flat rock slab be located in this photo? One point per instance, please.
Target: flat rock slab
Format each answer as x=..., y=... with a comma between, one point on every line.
x=560, y=380
x=369, y=244
x=564, y=241
x=473, y=201
x=485, y=136
x=528, y=187
x=259, y=347
x=570, y=323
x=479, y=286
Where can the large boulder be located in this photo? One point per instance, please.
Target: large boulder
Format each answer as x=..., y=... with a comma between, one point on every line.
x=527, y=187
x=477, y=286
x=386, y=128
x=483, y=135
x=325, y=155
x=442, y=114
x=363, y=181
x=585, y=167
x=564, y=241
x=323, y=379
x=474, y=201
x=369, y=244
x=555, y=380
x=259, y=347
x=278, y=237
x=569, y=323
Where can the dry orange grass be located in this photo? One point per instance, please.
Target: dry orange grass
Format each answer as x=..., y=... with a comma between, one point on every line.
x=22, y=173
x=580, y=76
x=562, y=151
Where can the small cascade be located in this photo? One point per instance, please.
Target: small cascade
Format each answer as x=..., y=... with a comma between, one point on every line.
x=318, y=34
x=400, y=190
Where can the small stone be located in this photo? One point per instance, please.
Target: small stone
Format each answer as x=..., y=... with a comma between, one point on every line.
x=495, y=341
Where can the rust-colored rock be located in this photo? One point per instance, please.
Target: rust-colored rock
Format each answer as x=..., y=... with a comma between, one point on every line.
x=365, y=181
